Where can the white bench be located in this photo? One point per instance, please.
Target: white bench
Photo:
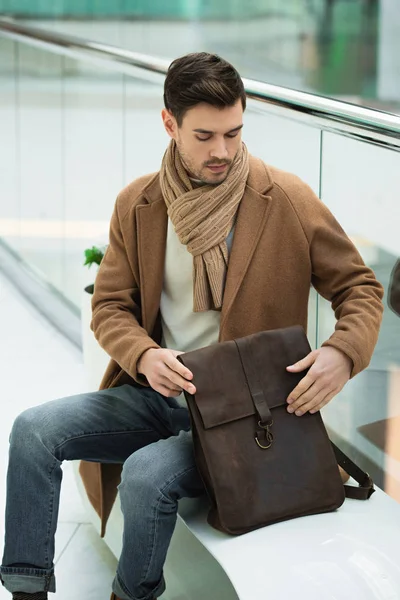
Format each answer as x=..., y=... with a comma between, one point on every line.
x=351, y=554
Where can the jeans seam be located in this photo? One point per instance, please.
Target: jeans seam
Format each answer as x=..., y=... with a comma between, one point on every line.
x=51, y=509
x=26, y=571
x=93, y=433
x=153, y=532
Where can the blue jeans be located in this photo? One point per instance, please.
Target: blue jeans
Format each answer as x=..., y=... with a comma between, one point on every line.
x=148, y=433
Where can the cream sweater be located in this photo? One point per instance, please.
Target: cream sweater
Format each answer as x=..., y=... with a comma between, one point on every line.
x=183, y=329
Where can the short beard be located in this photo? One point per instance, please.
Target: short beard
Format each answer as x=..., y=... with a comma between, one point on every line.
x=198, y=176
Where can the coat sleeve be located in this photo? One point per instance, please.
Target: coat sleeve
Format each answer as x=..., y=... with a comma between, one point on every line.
x=116, y=314
x=341, y=277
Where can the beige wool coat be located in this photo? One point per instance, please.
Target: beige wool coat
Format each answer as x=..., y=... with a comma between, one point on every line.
x=285, y=240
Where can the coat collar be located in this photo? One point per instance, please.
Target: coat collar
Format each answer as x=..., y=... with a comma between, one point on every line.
x=152, y=221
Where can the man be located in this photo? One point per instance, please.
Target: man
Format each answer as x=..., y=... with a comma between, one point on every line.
x=215, y=246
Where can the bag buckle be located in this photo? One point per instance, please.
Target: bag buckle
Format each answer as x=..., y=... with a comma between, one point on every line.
x=264, y=432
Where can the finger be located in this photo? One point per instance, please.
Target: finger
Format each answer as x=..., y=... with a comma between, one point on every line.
x=324, y=402
x=177, y=381
x=311, y=402
x=302, y=387
x=177, y=366
x=303, y=364
x=308, y=396
x=161, y=389
x=171, y=386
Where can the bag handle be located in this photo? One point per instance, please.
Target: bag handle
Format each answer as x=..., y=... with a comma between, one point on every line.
x=365, y=487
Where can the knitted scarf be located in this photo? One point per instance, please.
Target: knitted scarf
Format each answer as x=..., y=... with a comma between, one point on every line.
x=203, y=217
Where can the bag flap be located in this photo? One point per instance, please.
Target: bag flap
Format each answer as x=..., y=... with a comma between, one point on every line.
x=222, y=391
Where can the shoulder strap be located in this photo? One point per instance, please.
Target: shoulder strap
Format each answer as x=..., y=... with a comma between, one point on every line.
x=365, y=483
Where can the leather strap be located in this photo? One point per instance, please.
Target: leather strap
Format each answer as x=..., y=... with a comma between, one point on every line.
x=256, y=391
x=366, y=485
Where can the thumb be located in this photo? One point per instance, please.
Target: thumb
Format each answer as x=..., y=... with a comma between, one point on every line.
x=302, y=364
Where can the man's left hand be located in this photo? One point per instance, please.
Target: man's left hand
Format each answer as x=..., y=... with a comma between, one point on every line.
x=330, y=370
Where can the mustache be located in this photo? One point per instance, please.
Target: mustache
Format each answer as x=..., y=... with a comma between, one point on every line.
x=217, y=163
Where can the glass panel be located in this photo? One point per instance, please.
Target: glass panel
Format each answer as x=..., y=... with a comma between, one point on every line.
x=9, y=204
x=41, y=170
x=145, y=137
x=360, y=184
x=293, y=147
x=284, y=143
x=94, y=135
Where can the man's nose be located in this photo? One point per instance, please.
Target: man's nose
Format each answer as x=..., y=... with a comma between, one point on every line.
x=219, y=149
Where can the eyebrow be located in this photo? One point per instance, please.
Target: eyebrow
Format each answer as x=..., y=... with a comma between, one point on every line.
x=206, y=131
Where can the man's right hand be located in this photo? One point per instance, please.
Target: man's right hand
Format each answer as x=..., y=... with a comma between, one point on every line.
x=165, y=373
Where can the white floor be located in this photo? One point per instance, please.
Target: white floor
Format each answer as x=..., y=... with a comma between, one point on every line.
x=38, y=364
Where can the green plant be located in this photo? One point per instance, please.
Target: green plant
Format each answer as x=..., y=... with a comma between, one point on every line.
x=94, y=255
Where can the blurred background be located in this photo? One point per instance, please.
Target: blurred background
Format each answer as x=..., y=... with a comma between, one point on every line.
x=349, y=49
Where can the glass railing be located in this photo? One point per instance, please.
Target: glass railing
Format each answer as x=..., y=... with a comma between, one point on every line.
x=342, y=48
x=79, y=120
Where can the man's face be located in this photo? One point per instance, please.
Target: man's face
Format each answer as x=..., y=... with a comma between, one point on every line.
x=207, y=140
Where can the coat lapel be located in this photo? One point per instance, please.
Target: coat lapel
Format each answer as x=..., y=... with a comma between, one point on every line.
x=252, y=217
x=152, y=222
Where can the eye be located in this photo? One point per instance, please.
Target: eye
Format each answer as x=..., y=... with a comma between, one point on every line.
x=202, y=139
x=232, y=135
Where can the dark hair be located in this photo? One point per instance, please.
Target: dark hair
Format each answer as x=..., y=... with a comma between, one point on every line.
x=201, y=77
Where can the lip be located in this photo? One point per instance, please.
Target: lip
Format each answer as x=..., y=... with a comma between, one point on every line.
x=217, y=168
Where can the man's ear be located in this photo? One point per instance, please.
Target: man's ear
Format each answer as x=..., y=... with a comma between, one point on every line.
x=170, y=124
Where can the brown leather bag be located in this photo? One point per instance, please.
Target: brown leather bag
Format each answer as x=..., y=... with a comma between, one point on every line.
x=259, y=463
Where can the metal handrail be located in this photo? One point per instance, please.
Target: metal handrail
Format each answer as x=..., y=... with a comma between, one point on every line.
x=348, y=119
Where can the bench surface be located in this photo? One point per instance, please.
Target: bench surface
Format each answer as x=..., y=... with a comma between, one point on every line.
x=353, y=552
